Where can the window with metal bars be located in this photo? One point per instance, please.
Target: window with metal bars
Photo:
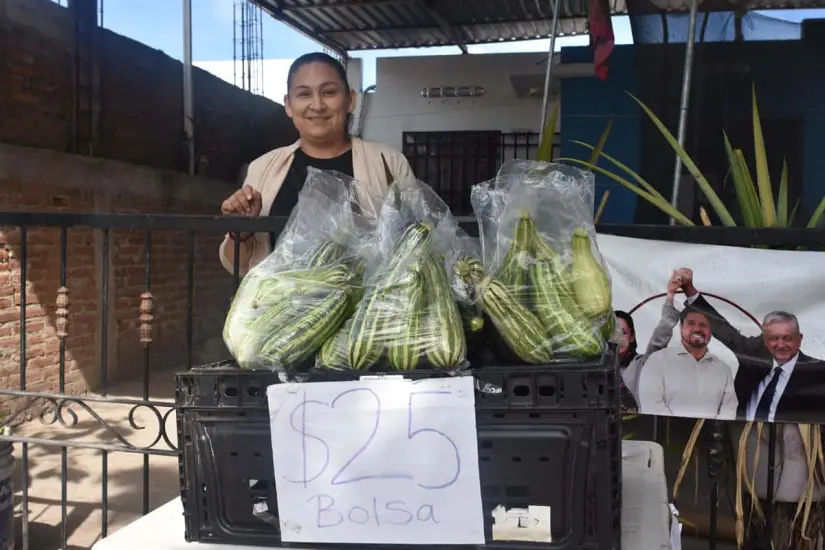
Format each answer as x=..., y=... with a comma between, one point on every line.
x=452, y=162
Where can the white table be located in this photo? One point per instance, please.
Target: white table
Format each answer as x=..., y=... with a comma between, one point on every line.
x=645, y=515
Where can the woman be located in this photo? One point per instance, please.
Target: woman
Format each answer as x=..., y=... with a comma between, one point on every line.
x=627, y=353
x=320, y=103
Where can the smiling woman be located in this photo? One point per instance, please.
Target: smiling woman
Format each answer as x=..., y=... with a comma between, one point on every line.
x=320, y=103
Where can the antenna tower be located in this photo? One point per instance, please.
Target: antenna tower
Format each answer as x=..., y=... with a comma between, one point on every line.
x=248, y=46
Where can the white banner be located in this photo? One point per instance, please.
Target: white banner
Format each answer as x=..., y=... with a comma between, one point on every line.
x=758, y=281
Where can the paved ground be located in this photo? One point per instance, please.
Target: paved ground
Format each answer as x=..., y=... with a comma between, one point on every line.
x=125, y=480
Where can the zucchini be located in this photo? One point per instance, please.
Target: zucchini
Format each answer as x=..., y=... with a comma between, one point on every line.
x=590, y=281
x=329, y=252
x=518, y=326
x=333, y=353
x=513, y=269
x=539, y=248
x=366, y=338
x=469, y=269
x=401, y=330
x=556, y=307
x=307, y=332
x=444, y=341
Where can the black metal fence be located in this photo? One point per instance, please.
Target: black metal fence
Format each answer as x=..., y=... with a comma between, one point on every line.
x=60, y=408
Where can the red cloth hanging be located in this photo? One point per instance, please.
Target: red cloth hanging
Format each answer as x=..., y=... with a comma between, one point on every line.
x=601, y=35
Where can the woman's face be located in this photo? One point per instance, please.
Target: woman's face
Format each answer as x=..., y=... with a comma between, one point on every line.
x=627, y=336
x=318, y=102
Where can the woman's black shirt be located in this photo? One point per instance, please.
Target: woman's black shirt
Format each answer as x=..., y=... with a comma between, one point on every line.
x=287, y=196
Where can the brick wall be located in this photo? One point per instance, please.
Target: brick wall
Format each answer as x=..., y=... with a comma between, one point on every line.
x=140, y=98
x=45, y=181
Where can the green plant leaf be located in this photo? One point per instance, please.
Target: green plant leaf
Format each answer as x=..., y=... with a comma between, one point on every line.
x=817, y=215
x=750, y=188
x=545, y=151
x=658, y=202
x=740, y=185
x=718, y=206
x=782, y=203
x=649, y=188
x=792, y=217
x=597, y=151
x=602, y=205
x=763, y=177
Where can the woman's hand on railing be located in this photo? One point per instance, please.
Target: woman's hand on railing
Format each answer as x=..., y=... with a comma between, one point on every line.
x=243, y=202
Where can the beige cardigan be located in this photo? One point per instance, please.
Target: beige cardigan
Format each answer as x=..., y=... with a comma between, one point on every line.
x=267, y=174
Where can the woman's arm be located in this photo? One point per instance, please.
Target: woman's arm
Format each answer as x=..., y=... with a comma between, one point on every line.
x=249, y=245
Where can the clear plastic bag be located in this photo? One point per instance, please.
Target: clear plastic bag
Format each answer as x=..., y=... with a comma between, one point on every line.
x=543, y=282
x=408, y=317
x=466, y=251
x=287, y=306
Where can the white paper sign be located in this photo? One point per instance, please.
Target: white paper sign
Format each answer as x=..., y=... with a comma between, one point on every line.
x=377, y=461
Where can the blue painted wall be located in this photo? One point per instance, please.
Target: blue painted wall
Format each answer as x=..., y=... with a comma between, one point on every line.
x=586, y=107
x=790, y=81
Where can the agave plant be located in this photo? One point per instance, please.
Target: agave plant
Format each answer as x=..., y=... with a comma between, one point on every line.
x=755, y=196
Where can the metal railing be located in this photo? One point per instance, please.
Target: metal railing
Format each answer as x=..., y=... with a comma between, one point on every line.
x=60, y=408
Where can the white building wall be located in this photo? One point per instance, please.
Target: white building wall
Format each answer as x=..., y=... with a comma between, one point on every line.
x=397, y=105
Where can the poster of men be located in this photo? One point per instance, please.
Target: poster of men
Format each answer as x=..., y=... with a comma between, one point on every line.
x=711, y=354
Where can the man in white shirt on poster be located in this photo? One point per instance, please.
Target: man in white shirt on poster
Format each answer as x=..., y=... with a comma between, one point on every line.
x=687, y=380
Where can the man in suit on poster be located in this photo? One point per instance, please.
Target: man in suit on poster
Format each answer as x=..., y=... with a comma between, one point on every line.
x=775, y=380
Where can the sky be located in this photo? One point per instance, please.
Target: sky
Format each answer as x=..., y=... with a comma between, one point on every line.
x=159, y=24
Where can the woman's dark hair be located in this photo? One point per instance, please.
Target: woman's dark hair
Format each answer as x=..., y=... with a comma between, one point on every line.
x=631, y=347
x=321, y=57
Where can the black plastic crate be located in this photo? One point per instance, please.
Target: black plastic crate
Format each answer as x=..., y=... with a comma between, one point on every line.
x=547, y=436
x=590, y=385
x=570, y=462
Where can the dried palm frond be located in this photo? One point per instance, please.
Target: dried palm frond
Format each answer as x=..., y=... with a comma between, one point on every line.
x=703, y=215
x=804, y=505
x=742, y=477
x=686, y=454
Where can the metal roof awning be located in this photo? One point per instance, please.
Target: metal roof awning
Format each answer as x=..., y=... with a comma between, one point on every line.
x=347, y=25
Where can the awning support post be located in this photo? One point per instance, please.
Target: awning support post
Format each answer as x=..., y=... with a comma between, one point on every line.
x=685, y=101
x=188, y=103
x=549, y=71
